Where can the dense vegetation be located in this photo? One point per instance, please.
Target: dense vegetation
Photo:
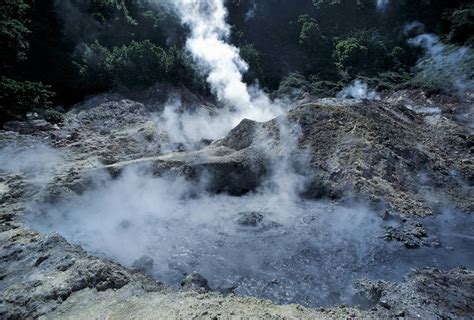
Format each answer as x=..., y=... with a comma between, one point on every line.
x=58, y=51
x=322, y=45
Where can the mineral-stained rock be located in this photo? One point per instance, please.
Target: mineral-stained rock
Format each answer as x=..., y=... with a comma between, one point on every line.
x=42, y=125
x=381, y=151
x=31, y=126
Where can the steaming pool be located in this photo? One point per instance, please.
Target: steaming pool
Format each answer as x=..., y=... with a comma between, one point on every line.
x=262, y=245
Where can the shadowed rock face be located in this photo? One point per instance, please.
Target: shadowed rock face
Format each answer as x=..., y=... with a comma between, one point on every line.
x=235, y=172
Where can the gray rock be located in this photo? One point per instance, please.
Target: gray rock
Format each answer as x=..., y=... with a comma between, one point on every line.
x=427, y=293
x=19, y=126
x=223, y=169
x=144, y=264
x=250, y=219
x=411, y=233
x=195, y=282
x=30, y=116
x=370, y=149
x=33, y=125
x=28, y=255
x=41, y=125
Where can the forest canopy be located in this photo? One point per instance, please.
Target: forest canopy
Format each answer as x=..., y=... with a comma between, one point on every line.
x=56, y=52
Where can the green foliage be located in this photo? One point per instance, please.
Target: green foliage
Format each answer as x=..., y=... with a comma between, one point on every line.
x=317, y=47
x=362, y=53
x=81, y=47
x=462, y=25
x=294, y=85
x=19, y=97
x=52, y=115
x=13, y=32
x=344, y=4
x=350, y=55
x=251, y=55
x=321, y=88
x=107, y=10
x=391, y=80
x=137, y=64
x=450, y=70
x=310, y=35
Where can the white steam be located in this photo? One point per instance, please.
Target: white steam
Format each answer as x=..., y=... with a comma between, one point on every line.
x=290, y=173
x=206, y=19
x=35, y=161
x=190, y=127
x=224, y=66
x=358, y=90
x=444, y=64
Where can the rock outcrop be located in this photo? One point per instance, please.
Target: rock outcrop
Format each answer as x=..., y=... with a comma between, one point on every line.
x=382, y=152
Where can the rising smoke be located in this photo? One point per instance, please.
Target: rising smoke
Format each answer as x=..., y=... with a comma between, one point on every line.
x=154, y=217
x=444, y=65
x=37, y=161
x=358, y=90
x=187, y=128
x=222, y=63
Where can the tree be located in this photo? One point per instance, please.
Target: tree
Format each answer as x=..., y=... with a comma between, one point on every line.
x=462, y=25
x=17, y=96
x=137, y=64
x=13, y=33
x=251, y=55
x=362, y=52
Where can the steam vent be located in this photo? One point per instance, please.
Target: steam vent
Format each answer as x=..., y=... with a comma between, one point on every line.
x=212, y=159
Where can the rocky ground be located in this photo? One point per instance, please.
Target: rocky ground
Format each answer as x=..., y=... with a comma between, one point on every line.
x=407, y=155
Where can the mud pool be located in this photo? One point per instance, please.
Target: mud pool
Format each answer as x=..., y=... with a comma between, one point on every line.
x=262, y=245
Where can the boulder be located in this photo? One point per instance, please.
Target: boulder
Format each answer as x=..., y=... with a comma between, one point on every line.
x=250, y=219
x=21, y=127
x=144, y=264
x=195, y=282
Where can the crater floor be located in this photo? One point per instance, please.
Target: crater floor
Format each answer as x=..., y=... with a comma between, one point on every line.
x=384, y=224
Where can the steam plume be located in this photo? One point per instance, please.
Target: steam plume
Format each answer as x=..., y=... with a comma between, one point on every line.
x=358, y=90
x=448, y=66
x=222, y=61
